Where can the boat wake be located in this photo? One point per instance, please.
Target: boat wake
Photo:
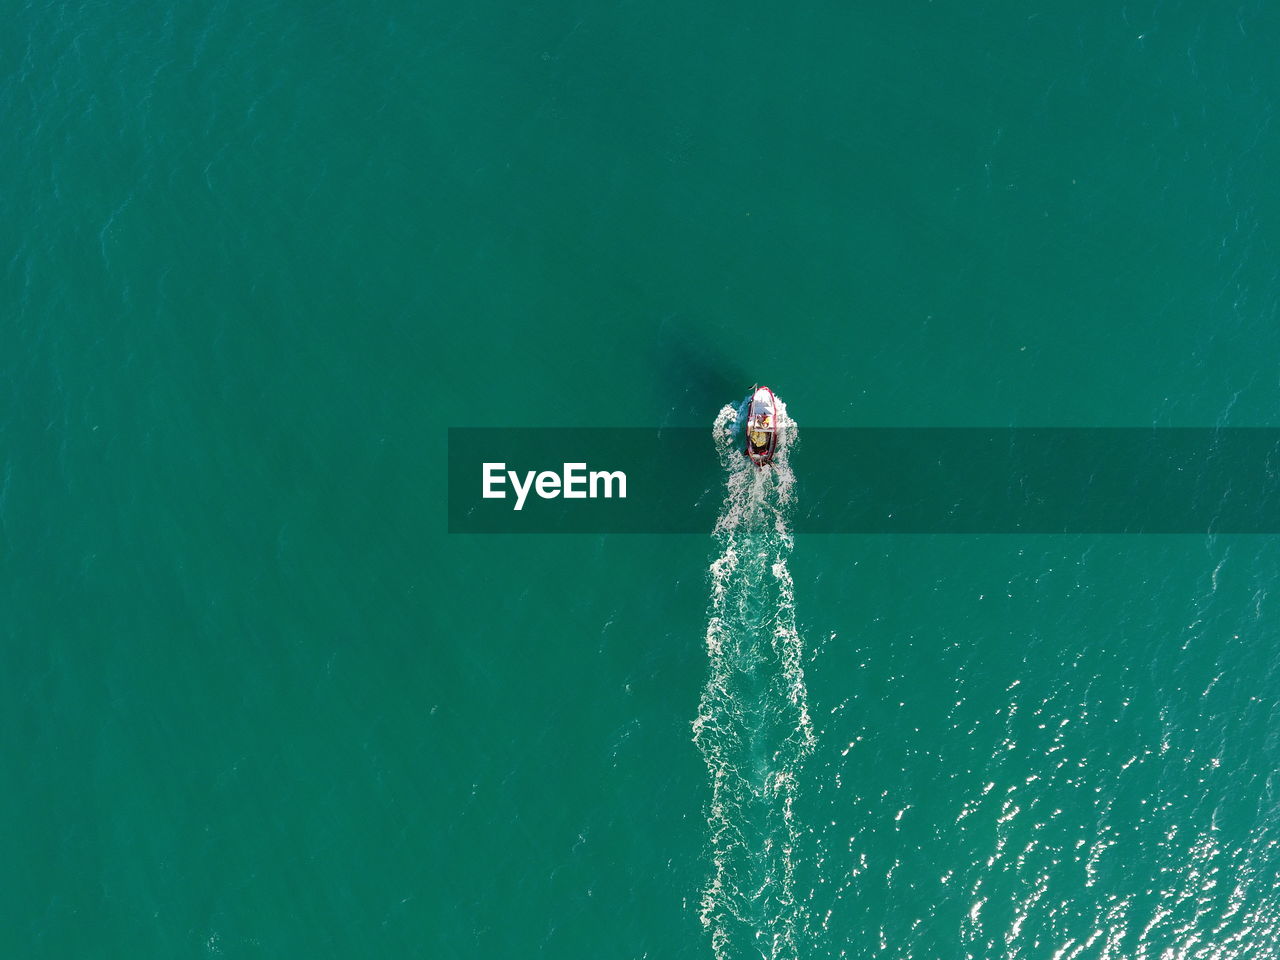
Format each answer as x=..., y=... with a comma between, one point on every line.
x=753, y=724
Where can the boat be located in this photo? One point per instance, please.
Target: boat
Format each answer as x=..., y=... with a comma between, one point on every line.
x=762, y=426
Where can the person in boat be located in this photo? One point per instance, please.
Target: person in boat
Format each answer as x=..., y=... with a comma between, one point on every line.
x=759, y=430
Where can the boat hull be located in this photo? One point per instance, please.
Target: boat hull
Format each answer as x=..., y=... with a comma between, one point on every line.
x=762, y=427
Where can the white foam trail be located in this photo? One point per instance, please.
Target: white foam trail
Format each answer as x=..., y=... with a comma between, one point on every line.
x=753, y=724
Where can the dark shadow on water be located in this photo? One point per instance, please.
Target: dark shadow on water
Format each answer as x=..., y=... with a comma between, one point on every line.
x=695, y=376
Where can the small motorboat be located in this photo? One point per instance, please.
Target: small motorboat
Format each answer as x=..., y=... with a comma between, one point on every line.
x=762, y=426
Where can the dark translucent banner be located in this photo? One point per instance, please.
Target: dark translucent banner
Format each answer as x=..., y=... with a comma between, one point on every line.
x=875, y=480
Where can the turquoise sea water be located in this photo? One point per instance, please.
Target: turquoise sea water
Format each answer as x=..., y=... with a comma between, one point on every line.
x=256, y=257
